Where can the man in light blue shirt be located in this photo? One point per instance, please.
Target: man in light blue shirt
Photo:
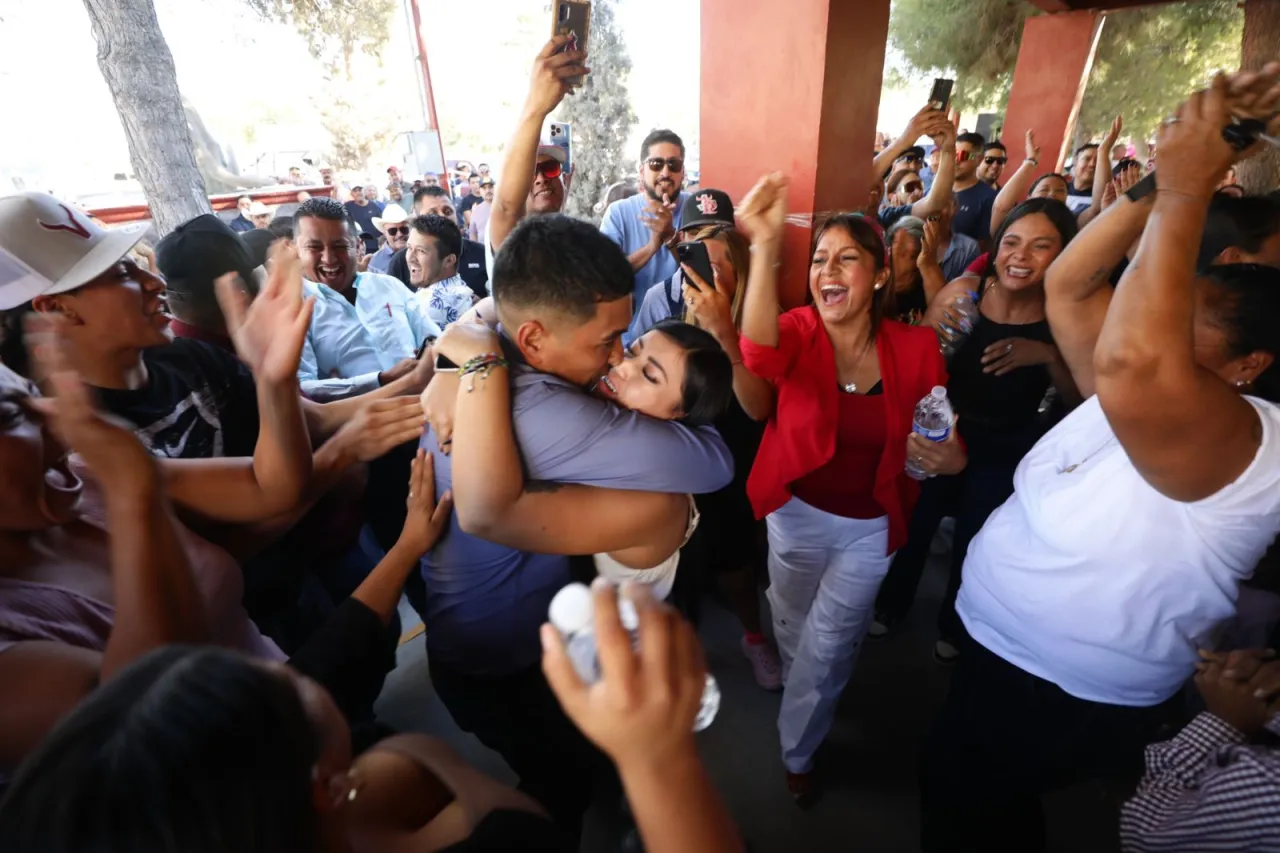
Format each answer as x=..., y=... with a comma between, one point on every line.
x=366, y=328
x=563, y=296
x=643, y=224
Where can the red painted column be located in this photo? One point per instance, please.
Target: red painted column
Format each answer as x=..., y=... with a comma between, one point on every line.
x=792, y=87
x=1048, y=83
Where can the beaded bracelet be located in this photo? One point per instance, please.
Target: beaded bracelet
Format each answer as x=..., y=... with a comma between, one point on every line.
x=481, y=365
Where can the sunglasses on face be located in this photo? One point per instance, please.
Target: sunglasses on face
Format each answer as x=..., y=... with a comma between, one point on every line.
x=673, y=164
x=910, y=158
x=964, y=156
x=393, y=231
x=548, y=169
x=913, y=187
x=991, y=161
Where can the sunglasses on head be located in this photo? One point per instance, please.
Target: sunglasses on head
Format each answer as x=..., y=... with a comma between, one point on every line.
x=991, y=161
x=673, y=164
x=548, y=169
x=393, y=230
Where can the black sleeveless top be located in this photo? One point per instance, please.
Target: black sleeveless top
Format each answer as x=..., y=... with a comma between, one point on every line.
x=999, y=414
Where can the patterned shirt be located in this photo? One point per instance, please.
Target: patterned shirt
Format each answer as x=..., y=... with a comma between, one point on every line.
x=446, y=300
x=1205, y=790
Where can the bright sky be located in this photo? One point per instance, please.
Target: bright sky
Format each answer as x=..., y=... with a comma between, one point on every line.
x=241, y=73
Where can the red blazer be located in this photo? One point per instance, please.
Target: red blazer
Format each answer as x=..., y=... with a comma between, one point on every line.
x=801, y=436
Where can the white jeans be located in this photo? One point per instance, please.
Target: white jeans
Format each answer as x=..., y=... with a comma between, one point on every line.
x=824, y=573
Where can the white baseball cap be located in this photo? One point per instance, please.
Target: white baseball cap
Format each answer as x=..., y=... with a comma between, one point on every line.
x=48, y=246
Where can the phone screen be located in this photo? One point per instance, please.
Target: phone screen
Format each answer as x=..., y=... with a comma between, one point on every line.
x=695, y=255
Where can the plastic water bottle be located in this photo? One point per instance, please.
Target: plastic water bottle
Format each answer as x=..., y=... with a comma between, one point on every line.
x=964, y=316
x=571, y=613
x=933, y=420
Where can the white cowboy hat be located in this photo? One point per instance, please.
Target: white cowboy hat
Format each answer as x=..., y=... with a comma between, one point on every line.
x=258, y=209
x=392, y=215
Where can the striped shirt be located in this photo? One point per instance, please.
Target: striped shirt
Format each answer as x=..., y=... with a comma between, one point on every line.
x=1206, y=790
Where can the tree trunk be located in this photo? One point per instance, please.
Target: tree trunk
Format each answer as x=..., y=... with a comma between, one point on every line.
x=138, y=68
x=1261, y=43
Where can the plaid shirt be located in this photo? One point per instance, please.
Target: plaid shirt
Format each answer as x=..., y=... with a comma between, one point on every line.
x=1206, y=790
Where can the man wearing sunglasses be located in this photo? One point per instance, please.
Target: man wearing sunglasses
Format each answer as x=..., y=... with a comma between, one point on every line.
x=394, y=224
x=974, y=198
x=907, y=195
x=992, y=165
x=644, y=224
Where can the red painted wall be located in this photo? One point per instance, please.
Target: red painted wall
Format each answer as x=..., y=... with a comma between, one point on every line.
x=792, y=87
x=1048, y=83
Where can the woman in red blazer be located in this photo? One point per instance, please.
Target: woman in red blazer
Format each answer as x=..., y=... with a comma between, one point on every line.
x=829, y=476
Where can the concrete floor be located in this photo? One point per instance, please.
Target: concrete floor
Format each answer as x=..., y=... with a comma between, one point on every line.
x=868, y=763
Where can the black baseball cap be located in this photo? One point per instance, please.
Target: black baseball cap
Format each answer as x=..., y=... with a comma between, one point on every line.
x=258, y=242
x=914, y=152
x=706, y=207
x=200, y=250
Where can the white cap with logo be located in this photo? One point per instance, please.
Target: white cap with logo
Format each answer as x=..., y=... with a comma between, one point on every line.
x=47, y=247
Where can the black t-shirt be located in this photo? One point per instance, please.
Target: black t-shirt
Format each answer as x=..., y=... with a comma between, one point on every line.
x=362, y=215
x=200, y=402
x=468, y=203
x=973, y=212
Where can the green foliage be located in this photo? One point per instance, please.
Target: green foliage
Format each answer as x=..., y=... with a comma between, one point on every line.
x=334, y=29
x=1148, y=59
x=976, y=41
x=601, y=115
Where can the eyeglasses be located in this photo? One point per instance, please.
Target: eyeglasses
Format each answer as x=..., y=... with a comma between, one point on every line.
x=991, y=161
x=548, y=169
x=393, y=231
x=673, y=164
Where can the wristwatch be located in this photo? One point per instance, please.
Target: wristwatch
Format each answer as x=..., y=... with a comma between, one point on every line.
x=1142, y=188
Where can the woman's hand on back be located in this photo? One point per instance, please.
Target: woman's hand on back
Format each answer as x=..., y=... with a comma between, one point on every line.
x=461, y=342
x=427, y=518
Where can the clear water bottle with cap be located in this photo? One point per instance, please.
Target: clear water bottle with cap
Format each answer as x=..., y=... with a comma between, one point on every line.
x=933, y=420
x=962, y=316
x=572, y=614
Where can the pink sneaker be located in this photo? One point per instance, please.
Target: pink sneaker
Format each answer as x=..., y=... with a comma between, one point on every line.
x=765, y=664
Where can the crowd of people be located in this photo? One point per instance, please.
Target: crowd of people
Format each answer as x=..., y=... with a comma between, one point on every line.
x=227, y=460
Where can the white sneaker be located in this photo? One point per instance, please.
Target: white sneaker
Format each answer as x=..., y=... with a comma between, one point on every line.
x=877, y=630
x=766, y=666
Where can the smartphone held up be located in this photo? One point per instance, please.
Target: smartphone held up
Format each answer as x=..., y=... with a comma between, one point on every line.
x=694, y=254
x=572, y=18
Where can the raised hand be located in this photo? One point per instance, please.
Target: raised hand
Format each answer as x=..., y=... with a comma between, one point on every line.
x=928, y=256
x=550, y=80
x=711, y=305
x=763, y=213
x=642, y=708
x=926, y=121
x=1033, y=150
x=269, y=331
x=1194, y=157
x=1109, y=141
x=1255, y=94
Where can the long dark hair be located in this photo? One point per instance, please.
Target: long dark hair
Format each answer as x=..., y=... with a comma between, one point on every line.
x=708, y=373
x=1245, y=304
x=188, y=750
x=867, y=234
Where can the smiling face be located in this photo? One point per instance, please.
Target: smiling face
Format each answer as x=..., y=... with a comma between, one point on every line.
x=125, y=309
x=909, y=191
x=650, y=379
x=1050, y=186
x=1026, y=250
x=993, y=160
x=426, y=266
x=1082, y=170
x=842, y=276
x=324, y=249
x=663, y=180
x=547, y=194
x=40, y=490
x=397, y=235
x=437, y=204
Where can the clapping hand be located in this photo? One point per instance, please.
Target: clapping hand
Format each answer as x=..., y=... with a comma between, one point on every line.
x=658, y=218
x=269, y=331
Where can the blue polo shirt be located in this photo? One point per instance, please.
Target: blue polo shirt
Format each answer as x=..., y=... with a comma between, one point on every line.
x=622, y=224
x=484, y=601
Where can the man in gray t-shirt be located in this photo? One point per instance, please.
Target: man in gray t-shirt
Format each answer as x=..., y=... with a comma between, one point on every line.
x=563, y=294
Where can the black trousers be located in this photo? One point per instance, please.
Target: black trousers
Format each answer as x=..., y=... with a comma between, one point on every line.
x=519, y=717
x=1005, y=737
x=970, y=496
